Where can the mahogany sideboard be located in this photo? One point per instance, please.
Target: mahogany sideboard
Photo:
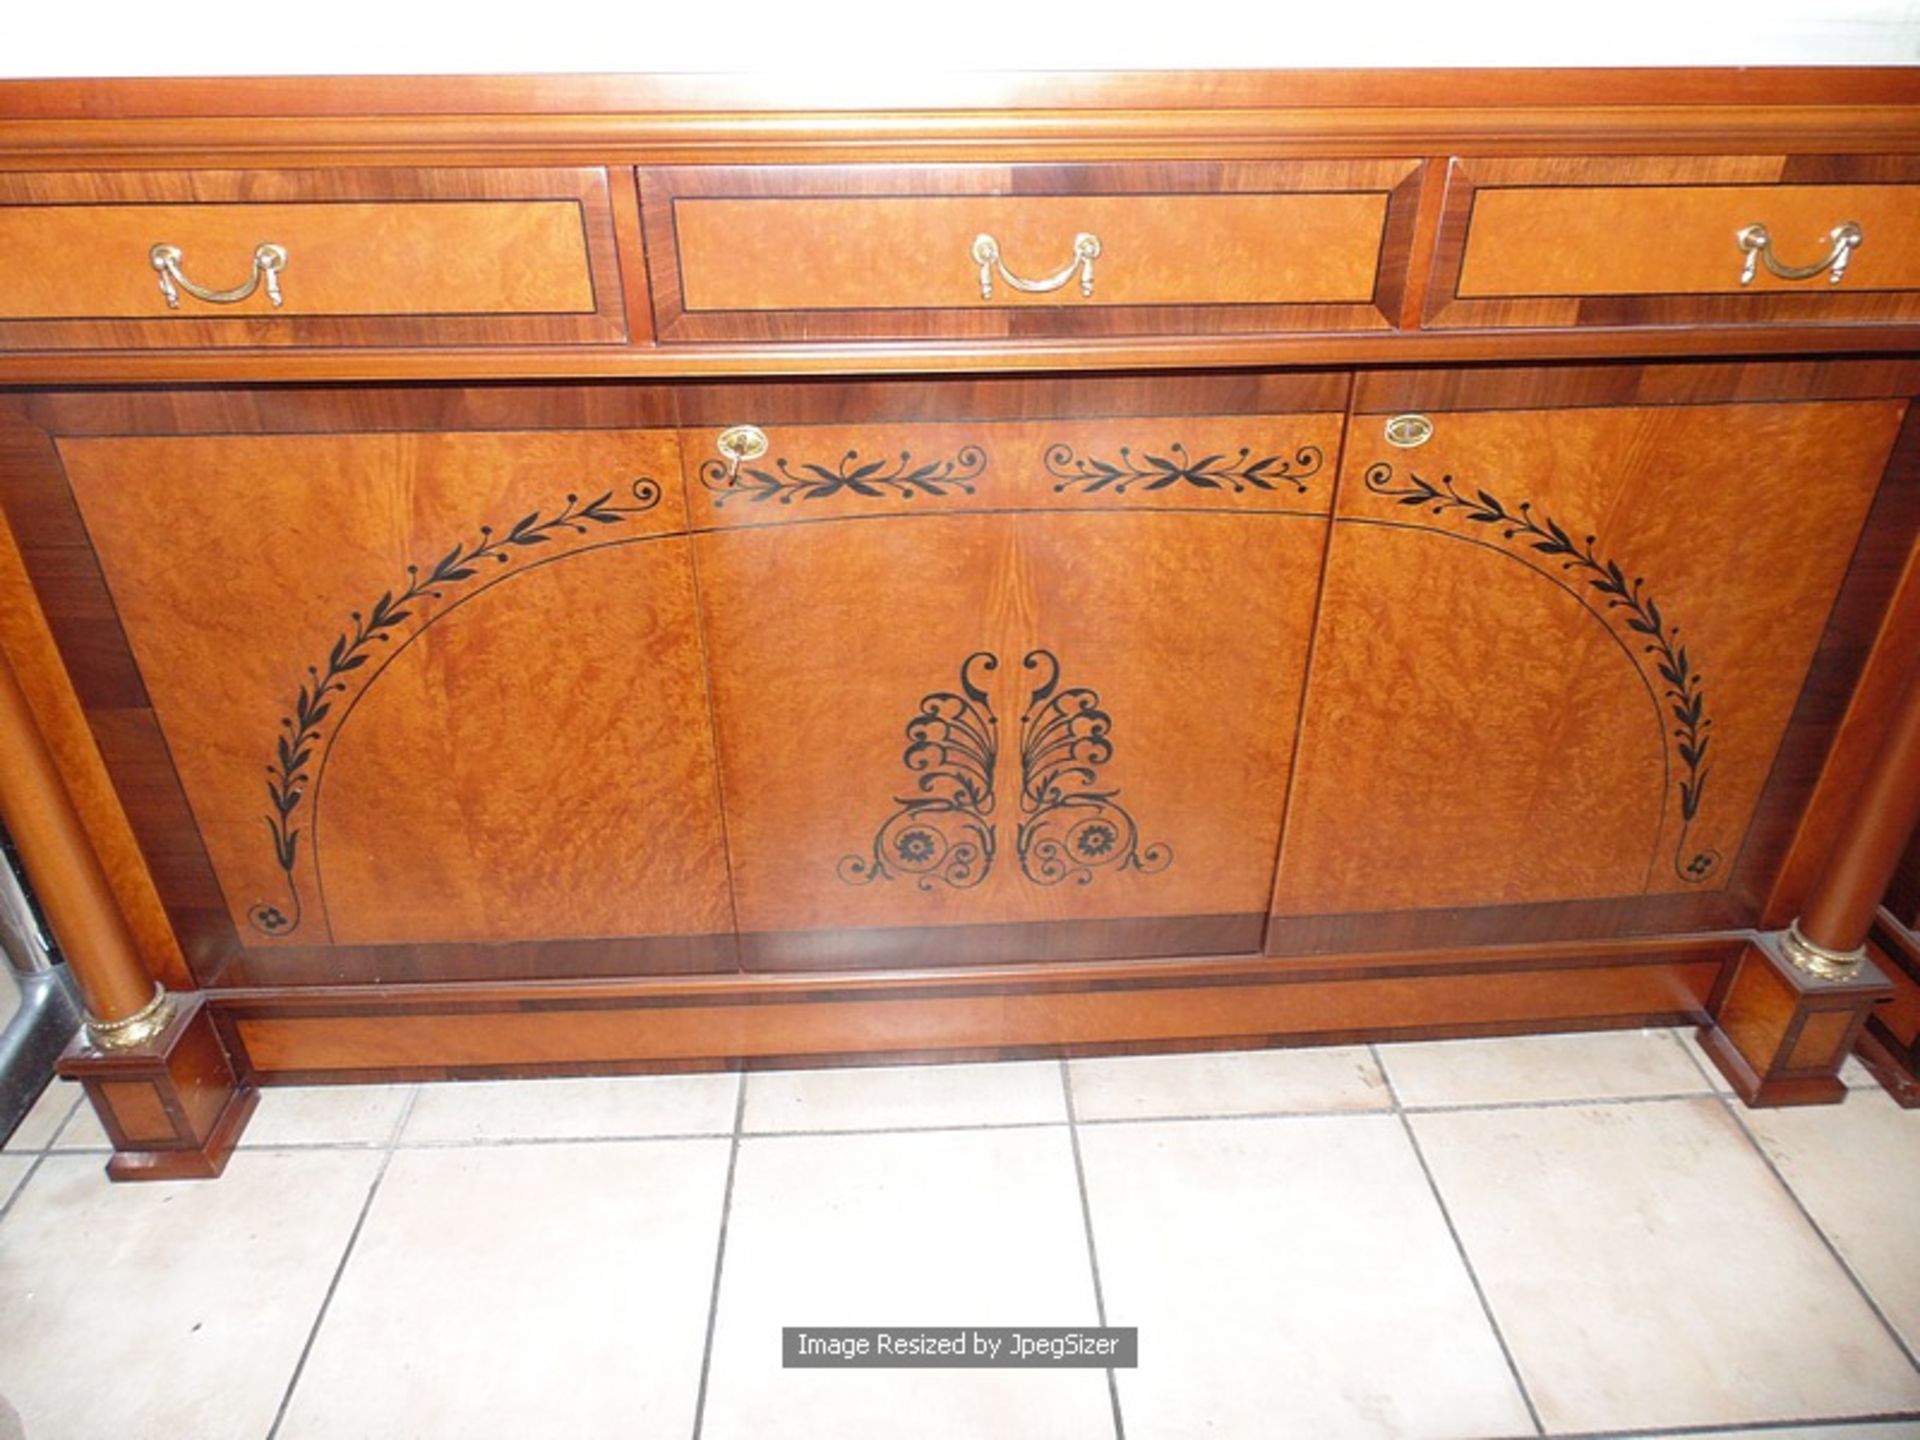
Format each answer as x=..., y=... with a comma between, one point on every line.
x=531, y=576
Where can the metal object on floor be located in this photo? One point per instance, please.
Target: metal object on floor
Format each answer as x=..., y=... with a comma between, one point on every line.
x=49, y=1011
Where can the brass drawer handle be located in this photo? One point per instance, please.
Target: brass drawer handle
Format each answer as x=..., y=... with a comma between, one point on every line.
x=1758, y=245
x=268, y=261
x=986, y=254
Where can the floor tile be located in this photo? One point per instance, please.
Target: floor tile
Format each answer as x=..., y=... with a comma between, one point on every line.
x=551, y=1290
x=326, y=1115
x=1228, y=1082
x=586, y=1109
x=1856, y=1167
x=1290, y=1277
x=162, y=1310
x=951, y=1227
x=82, y=1130
x=1600, y=1065
x=13, y=1169
x=43, y=1121
x=905, y=1097
x=1647, y=1269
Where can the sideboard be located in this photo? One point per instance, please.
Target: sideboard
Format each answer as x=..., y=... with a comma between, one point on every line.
x=600, y=574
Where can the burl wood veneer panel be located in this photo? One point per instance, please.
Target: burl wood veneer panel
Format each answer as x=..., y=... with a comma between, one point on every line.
x=1663, y=239
x=916, y=253
x=1558, y=649
x=395, y=671
x=1025, y=691
x=372, y=257
x=1651, y=240
x=490, y=746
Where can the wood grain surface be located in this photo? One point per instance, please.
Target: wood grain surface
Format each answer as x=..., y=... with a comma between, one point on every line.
x=254, y=574
x=773, y=252
x=1558, y=650
x=374, y=257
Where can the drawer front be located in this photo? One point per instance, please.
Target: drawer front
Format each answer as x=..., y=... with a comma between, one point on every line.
x=397, y=257
x=806, y=253
x=1713, y=241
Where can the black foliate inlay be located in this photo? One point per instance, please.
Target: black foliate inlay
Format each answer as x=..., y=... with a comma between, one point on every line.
x=1621, y=599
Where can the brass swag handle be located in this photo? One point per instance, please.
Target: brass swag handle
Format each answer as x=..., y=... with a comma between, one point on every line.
x=986, y=254
x=268, y=261
x=1758, y=245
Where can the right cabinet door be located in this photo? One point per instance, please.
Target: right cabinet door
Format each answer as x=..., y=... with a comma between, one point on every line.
x=1557, y=654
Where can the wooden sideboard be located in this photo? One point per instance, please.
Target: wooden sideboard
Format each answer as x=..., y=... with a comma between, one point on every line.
x=576, y=575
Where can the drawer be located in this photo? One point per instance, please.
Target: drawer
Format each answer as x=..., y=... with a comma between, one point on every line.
x=402, y=257
x=801, y=253
x=1695, y=241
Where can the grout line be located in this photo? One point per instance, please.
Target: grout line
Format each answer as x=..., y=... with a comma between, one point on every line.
x=1210, y=1116
x=1744, y=1427
x=1663, y=1097
x=506, y=1142
x=719, y=1258
x=1733, y=1105
x=1084, y=1122
x=353, y=1239
x=1093, y=1250
x=38, y=1158
x=1460, y=1248
x=79, y=1095
x=79, y=1098
x=956, y=1128
x=407, y=1103
x=1386, y=1076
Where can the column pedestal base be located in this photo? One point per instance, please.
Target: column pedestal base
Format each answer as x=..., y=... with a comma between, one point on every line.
x=173, y=1107
x=1890, y=1045
x=1781, y=1035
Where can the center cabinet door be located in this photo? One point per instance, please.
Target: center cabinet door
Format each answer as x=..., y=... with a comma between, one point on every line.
x=1016, y=687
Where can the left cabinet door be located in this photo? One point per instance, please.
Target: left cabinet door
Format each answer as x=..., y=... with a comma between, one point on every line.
x=434, y=698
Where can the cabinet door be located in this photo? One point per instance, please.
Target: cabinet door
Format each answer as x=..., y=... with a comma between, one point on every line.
x=1000, y=691
x=426, y=692
x=1557, y=655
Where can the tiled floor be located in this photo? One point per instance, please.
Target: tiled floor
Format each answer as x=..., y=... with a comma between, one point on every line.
x=1575, y=1235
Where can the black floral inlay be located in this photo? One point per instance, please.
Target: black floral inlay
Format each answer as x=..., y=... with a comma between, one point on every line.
x=1238, y=472
x=1622, y=599
x=943, y=834
x=293, y=770
x=874, y=479
x=1073, y=823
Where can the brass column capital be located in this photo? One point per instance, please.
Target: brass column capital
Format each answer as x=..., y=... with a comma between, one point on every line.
x=1819, y=961
x=136, y=1029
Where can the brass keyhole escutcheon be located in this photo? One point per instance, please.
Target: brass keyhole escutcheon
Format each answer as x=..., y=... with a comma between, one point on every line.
x=1409, y=431
x=738, y=444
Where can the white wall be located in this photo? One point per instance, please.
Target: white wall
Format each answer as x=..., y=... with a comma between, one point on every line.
x=317, y=37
